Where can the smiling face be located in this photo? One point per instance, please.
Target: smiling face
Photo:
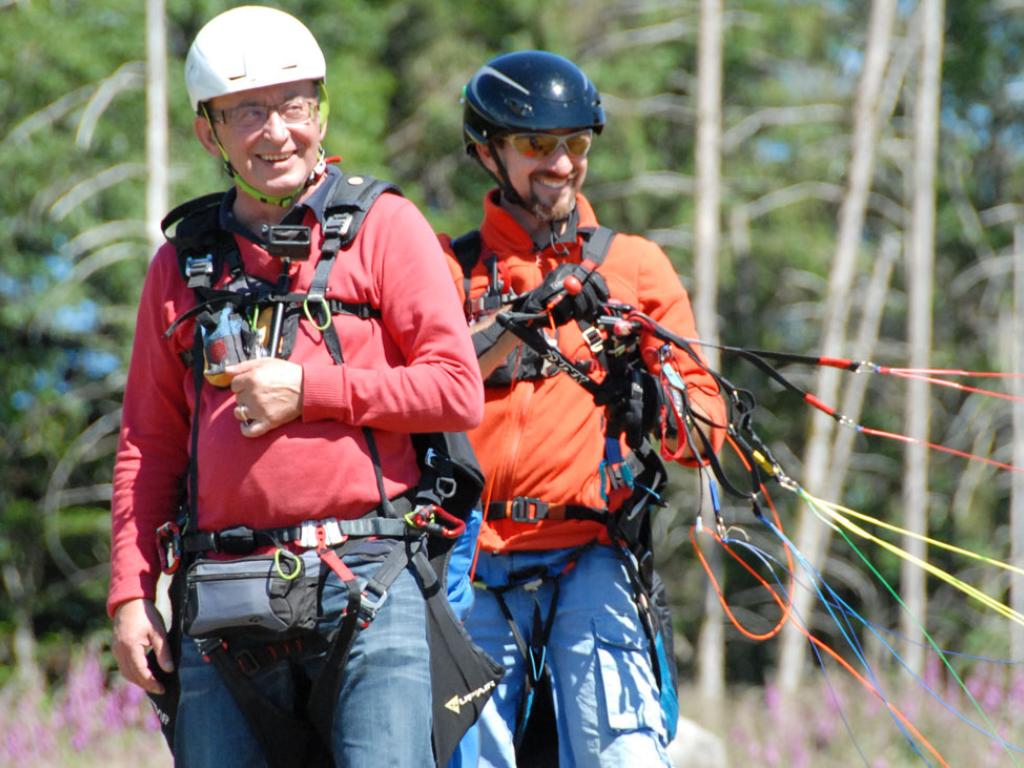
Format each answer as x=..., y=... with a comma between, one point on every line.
x=277, y=157
x=548, y=185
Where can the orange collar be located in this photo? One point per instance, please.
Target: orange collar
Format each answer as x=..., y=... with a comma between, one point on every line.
x=504, y=236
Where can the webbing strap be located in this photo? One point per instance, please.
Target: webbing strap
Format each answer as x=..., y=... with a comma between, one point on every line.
x=534, y=653
x=648, y=618
x=360, y=611
x=526, y=509
x=596, y=243
x=267, y=720
x=192, y=502
x=241, y=540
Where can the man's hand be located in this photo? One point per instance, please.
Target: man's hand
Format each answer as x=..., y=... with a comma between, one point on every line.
x=492, y=343
x=139, y=628
x=268, y=392
x=569, y=292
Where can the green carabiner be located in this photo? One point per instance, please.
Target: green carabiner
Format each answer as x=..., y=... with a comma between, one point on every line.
x=309, y=315
x=296, y=567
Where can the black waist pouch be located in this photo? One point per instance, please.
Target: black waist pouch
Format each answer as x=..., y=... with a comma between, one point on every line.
x=270, y=595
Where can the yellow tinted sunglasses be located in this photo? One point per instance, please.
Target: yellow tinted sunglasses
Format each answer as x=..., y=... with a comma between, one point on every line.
x=537, y=144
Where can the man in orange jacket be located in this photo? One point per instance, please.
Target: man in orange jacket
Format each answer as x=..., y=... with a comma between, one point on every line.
x=564, y=576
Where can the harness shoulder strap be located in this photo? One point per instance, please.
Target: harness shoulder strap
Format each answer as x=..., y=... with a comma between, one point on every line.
x=596, y=243
x=171, y=224
x=193, y=228
x=351, y=199
x=466, y=248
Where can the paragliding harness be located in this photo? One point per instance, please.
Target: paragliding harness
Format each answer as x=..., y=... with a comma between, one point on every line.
x=277, y=617
x=633, y=397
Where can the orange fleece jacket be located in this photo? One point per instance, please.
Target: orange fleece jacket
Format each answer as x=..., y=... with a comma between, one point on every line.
x=545, y=438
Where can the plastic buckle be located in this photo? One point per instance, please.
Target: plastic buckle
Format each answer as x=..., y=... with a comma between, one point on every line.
x=594, y=339
x=207, y=645
x=307, y=534
x=338, y=224
x=239, y=540
x=327, y=534
x=288, y=241
x=199, y=265
x=620, y=475
x=526, y=509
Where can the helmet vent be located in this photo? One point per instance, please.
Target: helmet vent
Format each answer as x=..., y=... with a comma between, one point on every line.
x=521, y=108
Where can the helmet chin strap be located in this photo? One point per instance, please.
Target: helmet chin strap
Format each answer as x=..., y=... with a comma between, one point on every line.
x=504, y=182
x=282, y=201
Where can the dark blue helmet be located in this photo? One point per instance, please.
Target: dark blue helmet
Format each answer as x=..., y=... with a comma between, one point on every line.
x=528, y=91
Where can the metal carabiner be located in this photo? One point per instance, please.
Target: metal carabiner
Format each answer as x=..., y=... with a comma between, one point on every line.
x=169, y=545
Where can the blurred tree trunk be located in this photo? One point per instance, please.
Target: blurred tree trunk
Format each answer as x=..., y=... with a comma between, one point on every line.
x=812, y=537
x=920, y=270
x=1017, y=487
x=23, y=641
x=863, y=349
x=707, y=234
x=156, y=122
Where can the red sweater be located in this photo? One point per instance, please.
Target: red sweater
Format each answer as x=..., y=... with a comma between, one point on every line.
x=545, y=438
x=411, y=370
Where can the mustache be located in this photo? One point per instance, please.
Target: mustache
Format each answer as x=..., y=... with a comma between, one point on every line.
x=540, y=175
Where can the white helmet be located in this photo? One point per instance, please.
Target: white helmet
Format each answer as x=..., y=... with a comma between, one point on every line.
x=250, y=47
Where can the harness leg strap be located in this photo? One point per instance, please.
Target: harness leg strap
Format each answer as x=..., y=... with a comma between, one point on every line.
x=359, y=612
x=268, y=720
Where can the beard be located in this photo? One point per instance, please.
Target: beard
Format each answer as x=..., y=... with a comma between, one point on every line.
x=549, y=213
x=558, y=211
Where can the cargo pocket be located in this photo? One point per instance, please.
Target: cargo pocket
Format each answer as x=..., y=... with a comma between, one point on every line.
x=627, y=689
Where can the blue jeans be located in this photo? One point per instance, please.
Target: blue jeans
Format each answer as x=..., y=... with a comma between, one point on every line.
x=606, y=702
x=382, y=715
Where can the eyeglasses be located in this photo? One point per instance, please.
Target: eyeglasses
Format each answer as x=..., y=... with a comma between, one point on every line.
x=536, y=144
x=249, y=117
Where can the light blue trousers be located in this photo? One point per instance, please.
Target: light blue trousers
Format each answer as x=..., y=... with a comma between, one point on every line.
x=606, y=699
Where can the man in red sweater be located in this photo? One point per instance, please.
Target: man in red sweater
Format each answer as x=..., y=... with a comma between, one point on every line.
x=305, y=426
x=560, y=575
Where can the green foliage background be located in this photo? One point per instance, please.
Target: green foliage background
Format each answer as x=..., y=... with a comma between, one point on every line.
x=73, y=249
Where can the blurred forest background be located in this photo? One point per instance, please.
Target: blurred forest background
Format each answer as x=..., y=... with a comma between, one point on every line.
x=829, y=177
